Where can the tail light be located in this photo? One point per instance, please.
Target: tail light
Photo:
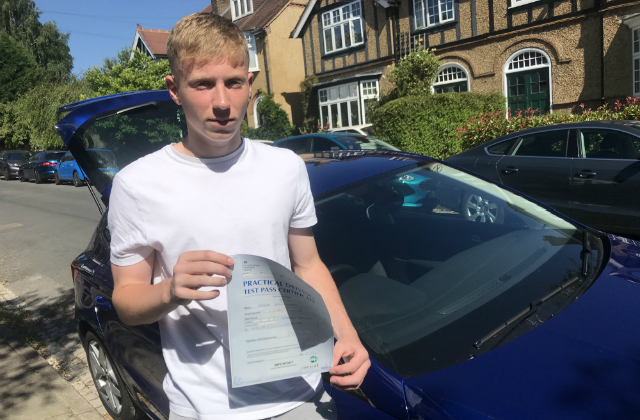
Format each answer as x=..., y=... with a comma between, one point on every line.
x=74, y=271
x=49, y=163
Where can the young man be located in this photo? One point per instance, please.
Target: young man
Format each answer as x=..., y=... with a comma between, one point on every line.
x=176, y=215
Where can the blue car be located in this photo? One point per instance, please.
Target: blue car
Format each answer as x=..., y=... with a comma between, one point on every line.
x=68, y=170
x=319, y=142
x=40, y=167
x=526, y=315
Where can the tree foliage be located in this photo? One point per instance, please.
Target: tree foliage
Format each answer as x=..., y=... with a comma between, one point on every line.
x=274, y=124
x=19, y=71
x=308, y=97
x=414, y=74
x=141, y=73
x=49, y=47
x=30, y=121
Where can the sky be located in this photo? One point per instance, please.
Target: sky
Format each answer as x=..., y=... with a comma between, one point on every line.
x=100, y=29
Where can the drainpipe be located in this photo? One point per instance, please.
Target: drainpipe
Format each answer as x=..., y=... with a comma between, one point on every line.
x=602, y=57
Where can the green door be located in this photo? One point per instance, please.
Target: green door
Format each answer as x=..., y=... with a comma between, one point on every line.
x=529, y=89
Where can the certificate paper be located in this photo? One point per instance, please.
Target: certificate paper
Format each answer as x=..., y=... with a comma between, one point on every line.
x=279, y=326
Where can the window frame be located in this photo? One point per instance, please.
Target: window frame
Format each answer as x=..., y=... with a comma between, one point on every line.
x=330, y=17
x=251, y=43
x=425, y=14
x=635, y=56
x=364, y=97
x=248, y=5
x=448, y=66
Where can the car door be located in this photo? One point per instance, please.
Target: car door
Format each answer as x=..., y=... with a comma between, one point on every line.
x=66, y=167
x=27, y=169
x=487, y=163
x=605, y=180
x=539, y=167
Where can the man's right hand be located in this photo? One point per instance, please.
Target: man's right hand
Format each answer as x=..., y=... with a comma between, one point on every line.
x=195, y=270
x=138, y=301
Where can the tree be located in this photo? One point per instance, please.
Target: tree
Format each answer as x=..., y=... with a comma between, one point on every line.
x=19, y=71
x=30, y=120
x=20, y=20
x=414, y=74
x=141, y=73
x=110, y=62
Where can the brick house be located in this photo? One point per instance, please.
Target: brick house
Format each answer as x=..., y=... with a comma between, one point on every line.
x=348, y=45
x=276, y=60
x=547, y=54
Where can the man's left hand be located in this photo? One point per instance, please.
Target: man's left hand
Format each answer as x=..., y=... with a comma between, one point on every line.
x=356, y=363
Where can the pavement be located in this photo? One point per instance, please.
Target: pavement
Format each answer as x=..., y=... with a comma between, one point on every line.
x=32, y=389
x=43, y=367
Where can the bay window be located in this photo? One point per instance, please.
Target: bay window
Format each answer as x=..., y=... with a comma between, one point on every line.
x=345, y=105
x=432, y=12
x=342, y=27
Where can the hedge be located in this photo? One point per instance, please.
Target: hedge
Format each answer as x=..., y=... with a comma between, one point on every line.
x=490, y=125
x=427, y=124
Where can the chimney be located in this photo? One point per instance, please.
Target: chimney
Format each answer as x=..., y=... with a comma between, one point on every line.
x=217, y=6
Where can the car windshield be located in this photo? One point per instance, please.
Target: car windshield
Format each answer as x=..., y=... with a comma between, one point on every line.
x=364, y=143
x=436, y=266
x=104, y=158
x=54, y=156
x=17, y=156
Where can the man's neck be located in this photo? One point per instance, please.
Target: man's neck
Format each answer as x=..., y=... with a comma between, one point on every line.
x=202, y=150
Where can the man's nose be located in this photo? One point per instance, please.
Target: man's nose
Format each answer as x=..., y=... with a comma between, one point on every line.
x=220, y=99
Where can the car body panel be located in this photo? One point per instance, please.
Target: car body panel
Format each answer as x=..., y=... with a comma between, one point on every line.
x=597, y=192
x=36, y=163
x=582, y=365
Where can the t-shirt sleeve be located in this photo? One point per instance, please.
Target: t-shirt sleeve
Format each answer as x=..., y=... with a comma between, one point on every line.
x=129, y=244
x=304, y=214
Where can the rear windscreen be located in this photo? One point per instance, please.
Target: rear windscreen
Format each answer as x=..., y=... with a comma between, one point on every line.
x=54, y=156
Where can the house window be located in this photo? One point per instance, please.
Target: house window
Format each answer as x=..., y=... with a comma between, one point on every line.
x=451, y=78
x=253, y=54
x=636, y=61
x=241, y=8
x=432, y=12
x=340, y=106
x=257, y=118
x=369, y=93
x=342, y=27
x=515, y=3
x=528, y=59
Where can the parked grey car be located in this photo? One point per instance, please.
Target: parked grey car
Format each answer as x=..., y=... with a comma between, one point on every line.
x=11, y=161
x=589, y=170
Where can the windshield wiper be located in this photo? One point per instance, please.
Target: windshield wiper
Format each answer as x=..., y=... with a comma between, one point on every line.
x=533, y=307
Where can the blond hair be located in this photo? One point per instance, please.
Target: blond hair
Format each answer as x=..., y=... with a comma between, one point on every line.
x=205, y=36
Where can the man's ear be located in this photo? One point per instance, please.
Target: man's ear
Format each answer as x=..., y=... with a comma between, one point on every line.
x=172, y=87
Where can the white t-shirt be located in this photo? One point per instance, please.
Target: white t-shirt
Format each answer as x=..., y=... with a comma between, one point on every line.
x=242, y=203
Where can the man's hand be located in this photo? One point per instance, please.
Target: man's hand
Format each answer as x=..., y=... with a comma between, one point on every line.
x=196, y=269
x=356, y=363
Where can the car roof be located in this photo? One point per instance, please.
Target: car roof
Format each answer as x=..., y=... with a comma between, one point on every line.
x=626, y=125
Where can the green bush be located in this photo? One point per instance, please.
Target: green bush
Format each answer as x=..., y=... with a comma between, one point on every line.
x=427, y=124
x=274, y=124
x=413, y=75
x=490, y=125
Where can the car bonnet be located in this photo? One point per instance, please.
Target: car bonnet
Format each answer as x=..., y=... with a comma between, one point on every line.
x=582, y=364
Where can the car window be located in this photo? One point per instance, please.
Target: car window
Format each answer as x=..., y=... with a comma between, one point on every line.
x=35, y=157
x=105, y=158
x=501, y=148
x=126, y=134
x=364, y=143
x=16, y=155
x=545, y=144
x=319, y=144
x=608, y=144
x=298, y=145
x=436, y=266
x=53, y=156
x=67, y=157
